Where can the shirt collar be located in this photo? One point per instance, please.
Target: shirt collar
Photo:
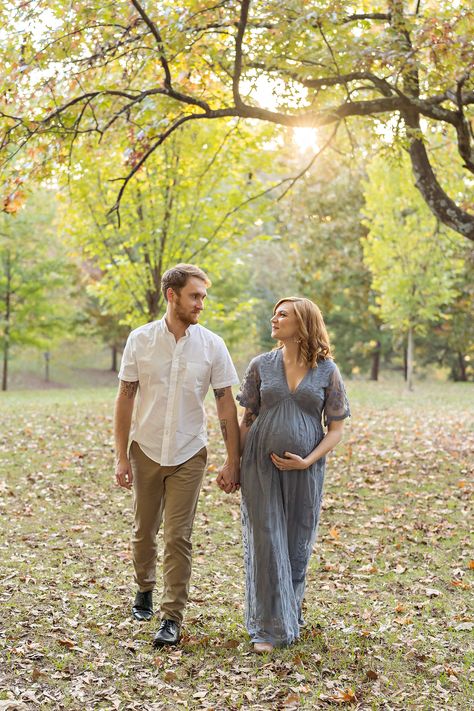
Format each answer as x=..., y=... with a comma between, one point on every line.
x=164, y=327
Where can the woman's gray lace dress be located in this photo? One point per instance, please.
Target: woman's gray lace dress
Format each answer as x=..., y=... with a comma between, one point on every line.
x=280, y=509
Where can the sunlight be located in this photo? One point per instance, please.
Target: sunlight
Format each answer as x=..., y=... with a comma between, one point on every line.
x=305, y=139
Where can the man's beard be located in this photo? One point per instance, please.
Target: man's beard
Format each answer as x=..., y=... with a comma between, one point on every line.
x=186, y=317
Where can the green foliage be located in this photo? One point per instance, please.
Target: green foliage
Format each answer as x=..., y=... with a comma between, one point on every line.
x=321, y=226
x=33, y=275
x=133, y=73
x=413, y=260
x=193, y=202
x=450, y=341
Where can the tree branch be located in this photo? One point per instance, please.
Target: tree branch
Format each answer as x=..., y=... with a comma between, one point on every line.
x=244, y=11
x=367, y=16
x=156, y=34
x=442, y=206
x=144, y=158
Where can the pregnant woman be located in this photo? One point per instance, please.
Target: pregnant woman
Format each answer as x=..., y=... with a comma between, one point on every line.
x=285, y=394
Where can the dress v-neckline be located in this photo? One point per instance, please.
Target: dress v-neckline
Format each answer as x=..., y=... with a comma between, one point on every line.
x=292, y=392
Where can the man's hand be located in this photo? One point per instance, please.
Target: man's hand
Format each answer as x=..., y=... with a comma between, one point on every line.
x=122, y=420
x=289, y=461
x=228, y=478
x=124, y=474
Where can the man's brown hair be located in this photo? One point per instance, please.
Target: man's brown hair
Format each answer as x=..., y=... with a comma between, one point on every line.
x=176, y=277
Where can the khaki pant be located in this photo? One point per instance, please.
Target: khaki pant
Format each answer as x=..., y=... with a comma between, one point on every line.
x=171, y=493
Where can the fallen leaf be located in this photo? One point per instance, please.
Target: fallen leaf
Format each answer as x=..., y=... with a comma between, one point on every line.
x=230, y=644
x=170, y=676
x=347, y=696
x=67, y=643
x=465, y=627
x=291, y=700
x=451, y=672
x=37, y=674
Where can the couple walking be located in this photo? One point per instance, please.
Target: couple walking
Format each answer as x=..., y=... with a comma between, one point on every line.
x=276, y=456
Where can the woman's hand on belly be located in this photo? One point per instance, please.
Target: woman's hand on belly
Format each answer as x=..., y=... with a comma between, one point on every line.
x=289, y=461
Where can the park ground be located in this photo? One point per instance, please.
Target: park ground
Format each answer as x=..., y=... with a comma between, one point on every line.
x=389, y=599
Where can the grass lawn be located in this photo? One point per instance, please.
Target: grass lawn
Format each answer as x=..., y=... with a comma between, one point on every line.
x=389, y=604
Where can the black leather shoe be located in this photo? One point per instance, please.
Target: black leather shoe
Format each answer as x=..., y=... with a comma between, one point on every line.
x=142, y=609
x=168, y=634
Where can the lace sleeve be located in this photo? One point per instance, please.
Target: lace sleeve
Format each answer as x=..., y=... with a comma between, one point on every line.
x=336, y=404
x=249, y=395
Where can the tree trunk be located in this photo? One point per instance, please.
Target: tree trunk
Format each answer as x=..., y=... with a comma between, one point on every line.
x=405, y=363
x=5, y=363
x=441, y=205
x=114, y=358
x=6, y=336
x=462, y=368
x=374, y=372
x=410, y=360
x=46, y=366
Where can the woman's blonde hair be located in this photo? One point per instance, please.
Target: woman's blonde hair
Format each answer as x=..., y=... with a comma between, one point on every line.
x=313, y=336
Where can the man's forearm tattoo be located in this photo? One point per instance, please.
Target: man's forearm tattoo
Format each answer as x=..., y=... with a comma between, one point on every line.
x=128, y=389
x=220, y=392
x=223, y=424
x=249, y=418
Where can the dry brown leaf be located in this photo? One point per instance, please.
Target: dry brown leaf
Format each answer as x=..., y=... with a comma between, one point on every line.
x=346, y=696
x=230, y=644
x=170, y=676
x=451, y=672
x=37, y=674
x=69, y=643
x=291, y=700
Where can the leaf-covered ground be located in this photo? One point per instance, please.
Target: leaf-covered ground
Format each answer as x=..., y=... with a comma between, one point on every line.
x=389, y=608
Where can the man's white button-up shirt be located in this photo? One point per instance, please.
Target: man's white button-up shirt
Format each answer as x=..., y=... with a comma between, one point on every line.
x=169, y=422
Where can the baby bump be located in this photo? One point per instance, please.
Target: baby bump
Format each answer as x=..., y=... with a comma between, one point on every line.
x=295, y=436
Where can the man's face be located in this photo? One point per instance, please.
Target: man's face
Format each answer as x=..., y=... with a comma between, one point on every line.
x=187, y=305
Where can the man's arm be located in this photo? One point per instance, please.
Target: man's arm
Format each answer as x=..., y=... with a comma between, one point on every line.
x=229, y=476
x=122, y=421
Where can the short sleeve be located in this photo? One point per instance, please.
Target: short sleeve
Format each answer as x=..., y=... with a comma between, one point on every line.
x=128, y=367
x=249, y=395
x=223, y=373
x=336, y=404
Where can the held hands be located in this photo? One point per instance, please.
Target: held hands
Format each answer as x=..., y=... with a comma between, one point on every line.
x=228, y=478
x=289, y=461
x=124, y=474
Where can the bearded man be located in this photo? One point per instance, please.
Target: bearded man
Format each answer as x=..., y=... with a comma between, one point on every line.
x=160, y=438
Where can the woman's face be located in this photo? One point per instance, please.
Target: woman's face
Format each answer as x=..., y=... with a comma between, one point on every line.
x=284, y=322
